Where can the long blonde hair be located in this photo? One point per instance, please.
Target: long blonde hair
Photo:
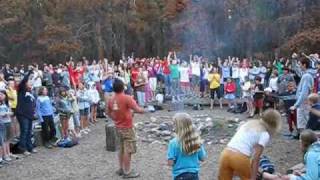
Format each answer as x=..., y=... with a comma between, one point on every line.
x=186, y=134
x=270, y=122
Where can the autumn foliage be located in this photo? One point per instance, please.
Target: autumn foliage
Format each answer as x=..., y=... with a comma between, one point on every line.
x=42, y=30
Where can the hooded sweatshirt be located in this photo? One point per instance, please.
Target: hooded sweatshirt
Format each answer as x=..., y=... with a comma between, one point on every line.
x=304, y=89
x=312, y=163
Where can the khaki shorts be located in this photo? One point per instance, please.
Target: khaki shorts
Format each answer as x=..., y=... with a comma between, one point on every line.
x=302, y=117
x=127, y=140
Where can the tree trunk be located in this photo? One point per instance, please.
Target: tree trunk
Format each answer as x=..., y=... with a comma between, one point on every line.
x=99, y=40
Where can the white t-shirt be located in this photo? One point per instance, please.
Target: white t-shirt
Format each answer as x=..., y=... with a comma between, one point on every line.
x=3, y=85
x=36, y=80
x=243, y=73
x=245, y=140
x=263, y=71
x=94, y=95
x=235, y=72
x=246, y=89
x=253, y=72
x=184, y=74
x=195, y=68
x=273, y=83
x=206, y=73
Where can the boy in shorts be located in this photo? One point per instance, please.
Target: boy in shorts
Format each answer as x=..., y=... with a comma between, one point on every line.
x=119, y=109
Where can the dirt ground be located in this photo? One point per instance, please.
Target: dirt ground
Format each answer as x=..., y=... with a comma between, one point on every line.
x=89, y=160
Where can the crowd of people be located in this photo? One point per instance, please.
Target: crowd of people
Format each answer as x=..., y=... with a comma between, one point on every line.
x=71, y=93
x=62, y=99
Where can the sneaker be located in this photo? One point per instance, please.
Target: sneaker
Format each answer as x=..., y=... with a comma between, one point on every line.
x=48, y=145
x=296, y=137
x=132, y=174
x=119, y=172
x=7, y=158
x=3, y=162
x=26, y=153
x=78, y=135
x=83, y=131
x=88, y=130
x=287, y=134
x=13, y=156
x=33, y=151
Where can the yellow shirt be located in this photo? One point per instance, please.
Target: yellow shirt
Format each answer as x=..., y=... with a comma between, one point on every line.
x=214, y=80
x=12, y=98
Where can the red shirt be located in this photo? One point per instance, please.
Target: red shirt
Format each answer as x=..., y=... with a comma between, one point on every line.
x=165, y=67
x=119, y=109
x=75, y=75
x=230, y=87
x=134, y=74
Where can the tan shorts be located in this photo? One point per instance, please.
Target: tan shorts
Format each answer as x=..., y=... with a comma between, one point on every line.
x=127, y=140
x=302, y=117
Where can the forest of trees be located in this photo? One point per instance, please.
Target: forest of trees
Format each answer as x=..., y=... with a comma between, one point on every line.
x=52, y=30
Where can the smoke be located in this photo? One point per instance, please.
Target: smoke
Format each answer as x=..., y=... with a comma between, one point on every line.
x=196, y=28
x=213, y=28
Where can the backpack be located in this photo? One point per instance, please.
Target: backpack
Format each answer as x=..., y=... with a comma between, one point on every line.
x=241, y=108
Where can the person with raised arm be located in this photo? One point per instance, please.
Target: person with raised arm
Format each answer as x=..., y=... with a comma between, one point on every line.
x=25, y=114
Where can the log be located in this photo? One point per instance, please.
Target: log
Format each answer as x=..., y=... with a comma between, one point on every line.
x=37, y=137
x=112, y=140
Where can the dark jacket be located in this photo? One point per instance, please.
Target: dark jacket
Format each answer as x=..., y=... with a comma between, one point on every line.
x=289, y=98
x=26, y=101
x=314, y=121
x=56, y=79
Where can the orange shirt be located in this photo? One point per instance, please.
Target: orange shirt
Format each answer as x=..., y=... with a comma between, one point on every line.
x=119, y=109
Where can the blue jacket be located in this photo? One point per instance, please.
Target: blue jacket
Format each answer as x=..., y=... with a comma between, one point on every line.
x=64, y=106
x=26, y=101
x=312, y=163
x=44, y=107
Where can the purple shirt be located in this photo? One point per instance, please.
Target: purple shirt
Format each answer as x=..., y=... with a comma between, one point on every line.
x=151, y=71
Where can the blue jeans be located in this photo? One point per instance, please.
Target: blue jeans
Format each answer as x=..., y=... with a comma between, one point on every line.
x=25, y=143
x=167, y=83
x=76, y=119
x=141, y=98
x=187, y=176
x=238, y=87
